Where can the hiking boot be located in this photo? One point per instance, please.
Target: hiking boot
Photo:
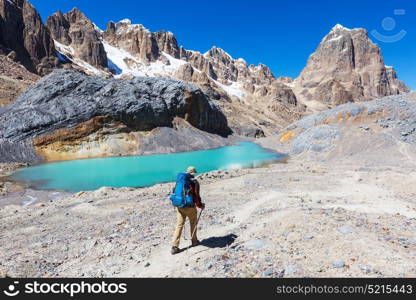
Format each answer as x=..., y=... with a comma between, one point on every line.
x=174, y=250
x=195, y=243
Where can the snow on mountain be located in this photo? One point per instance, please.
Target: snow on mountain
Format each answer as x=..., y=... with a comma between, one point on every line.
x=117, y=60
x=67, y=53
x=340, y=27
x=97, y=28
x=234, y=89
x=123, y=63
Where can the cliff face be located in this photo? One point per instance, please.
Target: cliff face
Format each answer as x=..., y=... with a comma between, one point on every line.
x=75, y=30
x=347, y=67
x=67, y=112
x=22, y=31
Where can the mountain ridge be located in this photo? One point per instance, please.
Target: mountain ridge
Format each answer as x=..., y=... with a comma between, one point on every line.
x=255, y=101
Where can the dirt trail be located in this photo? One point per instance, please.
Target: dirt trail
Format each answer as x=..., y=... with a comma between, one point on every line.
x=162, y=263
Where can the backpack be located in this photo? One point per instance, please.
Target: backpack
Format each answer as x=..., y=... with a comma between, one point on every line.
x=181, y=193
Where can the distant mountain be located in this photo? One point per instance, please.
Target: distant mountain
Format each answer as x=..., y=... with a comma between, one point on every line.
x=346, y=66
x=250, y=95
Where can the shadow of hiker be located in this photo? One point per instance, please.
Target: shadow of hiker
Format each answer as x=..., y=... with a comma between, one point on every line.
x=219, y=241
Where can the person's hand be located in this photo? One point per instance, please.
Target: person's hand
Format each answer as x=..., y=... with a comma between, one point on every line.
x=202, y=206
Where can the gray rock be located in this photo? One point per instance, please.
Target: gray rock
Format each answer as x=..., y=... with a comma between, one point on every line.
x=346, y=229
x=365, y=268
x=249, y=131
x=291, y=269
x=338, y=264
x=314, y=135
x=255, y=244
x=65, y=99
x=317, y=139
x=267, y=273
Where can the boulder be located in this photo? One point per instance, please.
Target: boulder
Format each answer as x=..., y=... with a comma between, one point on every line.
x=68, y=107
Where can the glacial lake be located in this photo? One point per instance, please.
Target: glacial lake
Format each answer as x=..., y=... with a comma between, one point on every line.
x=141, y=171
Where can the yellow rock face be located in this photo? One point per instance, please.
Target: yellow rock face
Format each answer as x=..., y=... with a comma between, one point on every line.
x=91, y=147
x=286, y=137
x=98, y=137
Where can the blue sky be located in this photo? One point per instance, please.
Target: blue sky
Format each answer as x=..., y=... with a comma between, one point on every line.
x=280, y=34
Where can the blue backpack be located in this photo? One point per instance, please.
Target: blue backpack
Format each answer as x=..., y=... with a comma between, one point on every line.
x=180, y=196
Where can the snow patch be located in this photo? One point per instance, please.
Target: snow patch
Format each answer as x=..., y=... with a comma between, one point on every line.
x=91, y=69
x=118, y=61
x=340, y=27
x=125, y=21
x=64, y=48
x=67, y=52
x=335, y=39
x=97, y=28
x=241, y=60
x=128, y=27
x=290, y=84
x=234, y=89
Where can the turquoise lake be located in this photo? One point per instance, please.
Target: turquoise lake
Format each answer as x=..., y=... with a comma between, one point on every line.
x=141, y=171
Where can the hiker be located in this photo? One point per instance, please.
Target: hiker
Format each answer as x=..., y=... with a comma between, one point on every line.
x=186, y=199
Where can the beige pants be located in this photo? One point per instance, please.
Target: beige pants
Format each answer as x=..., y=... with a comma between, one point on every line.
x=181, y=214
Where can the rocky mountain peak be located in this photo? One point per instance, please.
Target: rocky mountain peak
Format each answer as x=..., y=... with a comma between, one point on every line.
x=133, y=38
x=218, y=53
x=125, y=26
x=339, y=27
x=75, y=16
x=79, y=36
x=347, y=66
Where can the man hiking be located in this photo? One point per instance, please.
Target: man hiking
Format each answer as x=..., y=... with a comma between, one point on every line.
x=186, y=198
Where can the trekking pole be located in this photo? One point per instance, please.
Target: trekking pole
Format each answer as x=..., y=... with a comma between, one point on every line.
x=196, y=225
x=183, y=232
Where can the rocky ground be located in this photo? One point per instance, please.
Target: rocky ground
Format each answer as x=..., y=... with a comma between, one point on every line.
x=343, y=210
x=14, y=80
x=294, y=219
